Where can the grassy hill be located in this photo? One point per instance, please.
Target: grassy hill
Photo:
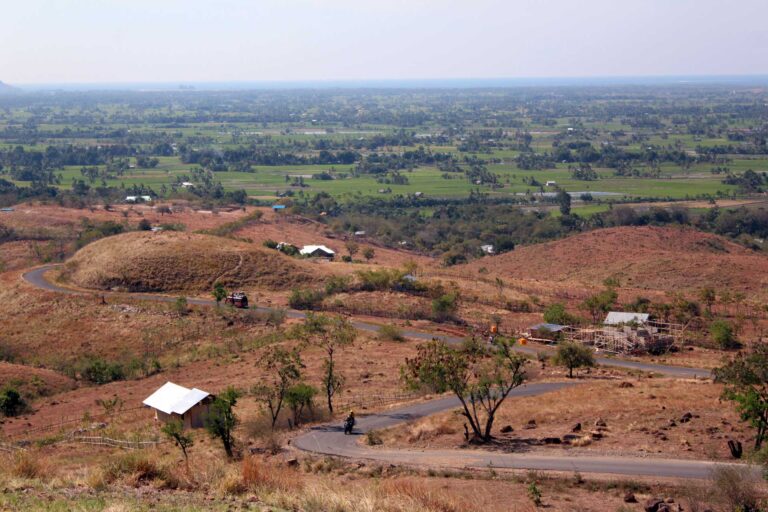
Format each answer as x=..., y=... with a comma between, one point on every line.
x=171, y=262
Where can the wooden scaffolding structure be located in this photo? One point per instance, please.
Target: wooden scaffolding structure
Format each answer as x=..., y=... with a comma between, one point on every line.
x=632, y=338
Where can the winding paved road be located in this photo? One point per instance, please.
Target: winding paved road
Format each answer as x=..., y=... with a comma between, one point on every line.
x=36, y=277
x=330, y=439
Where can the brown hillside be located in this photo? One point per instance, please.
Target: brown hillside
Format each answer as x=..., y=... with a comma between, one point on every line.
x=666, y=259
x=171, y=261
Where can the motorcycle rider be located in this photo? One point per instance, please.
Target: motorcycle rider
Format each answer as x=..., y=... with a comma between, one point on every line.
x=349, y=423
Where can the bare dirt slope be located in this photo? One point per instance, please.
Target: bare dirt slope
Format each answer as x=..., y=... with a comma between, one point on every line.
x=653, y=258
x=171, y=261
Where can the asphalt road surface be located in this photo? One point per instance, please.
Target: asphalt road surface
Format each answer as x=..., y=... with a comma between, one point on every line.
x=36, y=277
x=330, y=439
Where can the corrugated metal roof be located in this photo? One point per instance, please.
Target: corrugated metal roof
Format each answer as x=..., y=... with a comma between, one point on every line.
x=174, y=399
x=549, y=327
x=618, y=317
x=309, y=249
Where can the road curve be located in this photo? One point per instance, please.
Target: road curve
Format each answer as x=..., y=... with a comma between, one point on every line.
x=330, y=440
x=36, y=277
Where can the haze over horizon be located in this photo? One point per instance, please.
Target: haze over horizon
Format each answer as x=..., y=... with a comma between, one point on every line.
x=90, y=41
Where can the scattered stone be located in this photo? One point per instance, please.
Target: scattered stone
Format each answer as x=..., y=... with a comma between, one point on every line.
x=531, y=424
x=600, y=423
x=686, y=417
x=552, y=440
x=630, y=498
x=293, y=461
x=576, y=428
x=596, y=434
x=626, y=385
x=506, y=429
x=672, y=423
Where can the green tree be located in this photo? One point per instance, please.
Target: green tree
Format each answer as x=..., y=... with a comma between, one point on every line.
x=330, y=333
x=11, y=402
x=708, y=297
x=369, y=253
x=299, y=397
x=746, y=383
x=600, y=304
x=556, y=314
x=352, y=248
x=479, y=376
x=563, y=200
x=723, y=334
x=445, y=306
x=221, y=420
x=283, y=369
x=174, y=429
x=574, y=355
x=219, y=292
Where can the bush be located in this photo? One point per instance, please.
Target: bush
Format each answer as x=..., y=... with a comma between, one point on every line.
x=556, y=314
x=144, y=225
x=270, y=244
x=337, y=284
x=737, y=487
x=305, y=298
x=11, y=402
x=29, y=465
x=391, y=332
x=373, y=438
x=723, y=335
x=574, y=355
x=445, y=306
x=100, y=371
x=346, y=258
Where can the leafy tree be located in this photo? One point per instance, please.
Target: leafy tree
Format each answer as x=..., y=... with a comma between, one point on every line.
x=708, y=297
x=11, y=402
x=221, y=420
x=445, y=306
x=369, y=253
x=574, y=355
x=299, y=397
x=746, y=383
x=600, y=304
x=330, y=333
x=181, y=306
x=219, y=292
x=556, y=314
x=723, y=334
x=283, y=369
x=352, y=248
x=479, y=376
x=563, y=200
x=174, y=429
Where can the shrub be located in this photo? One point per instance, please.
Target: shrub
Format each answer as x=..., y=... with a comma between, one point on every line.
x=100, y=371
x=270, y=244
x=373, y=438
x=29, y=465
x=445, y=306
x=144, y=225
x=737, y=487
x=337, y=284
x=346, y=258
x=305, y=298
x=299, y=397
x=11, y=402
x=556, y=314
x=391, y=332
x=723, y=334
x=256, y=475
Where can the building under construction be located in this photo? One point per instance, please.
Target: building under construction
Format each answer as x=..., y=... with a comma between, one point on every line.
x=628, y=333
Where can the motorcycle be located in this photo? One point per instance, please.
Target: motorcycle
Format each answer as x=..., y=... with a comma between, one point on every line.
x=349, y=424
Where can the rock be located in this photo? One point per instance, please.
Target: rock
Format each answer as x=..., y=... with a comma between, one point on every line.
x=669, y=500
x=293, y=461
x=626, y=385
x=630, y=498
x=685, y=418
x=552, y=440
x=600, y=423
x=672, y=423
x=506, y=429
x=576, y=428
x=531, y=424
x=653, y=504
x=596, y=434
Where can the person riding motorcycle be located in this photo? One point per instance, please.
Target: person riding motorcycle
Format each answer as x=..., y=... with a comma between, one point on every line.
x=349, y=423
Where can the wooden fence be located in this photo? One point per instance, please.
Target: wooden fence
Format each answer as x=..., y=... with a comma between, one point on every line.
x=115, y=443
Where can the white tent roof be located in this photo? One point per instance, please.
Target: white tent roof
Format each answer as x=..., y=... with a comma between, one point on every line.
x=309, y=249
x=616, y=318
x=174, y=399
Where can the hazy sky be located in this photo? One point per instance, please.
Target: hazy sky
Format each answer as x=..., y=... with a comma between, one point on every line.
x=246, y=40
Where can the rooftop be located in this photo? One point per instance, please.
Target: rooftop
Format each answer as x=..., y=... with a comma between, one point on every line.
x=174, y=399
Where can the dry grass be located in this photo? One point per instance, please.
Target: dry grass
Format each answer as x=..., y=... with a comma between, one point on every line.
x=30, y=465
x=174, y=262
x=259, y=475
x=638, y=420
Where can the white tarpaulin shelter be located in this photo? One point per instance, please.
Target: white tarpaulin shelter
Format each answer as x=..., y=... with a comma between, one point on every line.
x=618, y=318
x=174, y=401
